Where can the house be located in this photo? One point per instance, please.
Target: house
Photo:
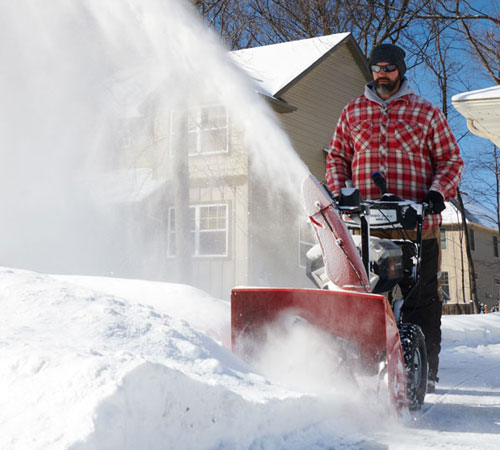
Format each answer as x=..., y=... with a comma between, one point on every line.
x=210, y=197
x=455, y=271
x=481, y=108
x=315, y=78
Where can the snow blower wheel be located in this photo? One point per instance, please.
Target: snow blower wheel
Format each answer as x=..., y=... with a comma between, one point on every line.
x=415, y=358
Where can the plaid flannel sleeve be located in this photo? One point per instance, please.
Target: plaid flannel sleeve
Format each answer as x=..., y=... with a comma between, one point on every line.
x=339, y=158
x=448, y=164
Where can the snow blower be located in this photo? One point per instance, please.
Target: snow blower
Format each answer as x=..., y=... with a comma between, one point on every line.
x=357, y=276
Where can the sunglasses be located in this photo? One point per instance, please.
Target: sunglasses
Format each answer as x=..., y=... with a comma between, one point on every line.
x=388, y=68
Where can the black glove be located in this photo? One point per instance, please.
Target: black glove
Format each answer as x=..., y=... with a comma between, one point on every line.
x=435, y=201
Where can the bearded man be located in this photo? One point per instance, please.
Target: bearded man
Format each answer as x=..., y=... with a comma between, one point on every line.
x=391, y=130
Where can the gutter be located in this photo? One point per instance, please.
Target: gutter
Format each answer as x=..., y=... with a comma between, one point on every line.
x=279, y=105
x=479, y=131
x=480, y=113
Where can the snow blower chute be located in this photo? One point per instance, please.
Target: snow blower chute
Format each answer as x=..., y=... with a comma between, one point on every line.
x=351, y=272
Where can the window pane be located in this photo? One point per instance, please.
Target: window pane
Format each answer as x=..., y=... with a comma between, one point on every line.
x=208, y=230
x=443, y=238
x=445, y=287
x=204, y=216
x=214, y=140
x=212, y=243
x=213, y=218
x=221, y=217
x=213, y=117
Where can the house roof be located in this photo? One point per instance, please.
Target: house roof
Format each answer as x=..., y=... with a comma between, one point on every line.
x=481, y=108
x=274, y=67
x=474, y=212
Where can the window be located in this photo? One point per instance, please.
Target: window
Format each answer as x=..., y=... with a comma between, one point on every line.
x=443, y=238
x=445, y=286
x=471, y=239
x=306, y=241
x=495, y=246
x=208, y=230
x=207, y=130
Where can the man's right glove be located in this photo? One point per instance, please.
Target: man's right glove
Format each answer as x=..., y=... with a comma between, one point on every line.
x=435, y=201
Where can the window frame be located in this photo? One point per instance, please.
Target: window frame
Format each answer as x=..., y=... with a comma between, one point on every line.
x=198, y=231
x=442, y=234
x=197, y=113
x=444, y=284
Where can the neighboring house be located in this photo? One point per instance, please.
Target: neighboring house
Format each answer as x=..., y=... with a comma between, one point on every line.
x=481, y=108
x=237, y=233
x=483, y=237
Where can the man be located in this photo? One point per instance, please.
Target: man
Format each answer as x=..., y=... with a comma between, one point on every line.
x=391, y=130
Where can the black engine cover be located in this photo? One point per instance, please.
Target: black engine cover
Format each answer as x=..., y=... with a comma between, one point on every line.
x=387, y=262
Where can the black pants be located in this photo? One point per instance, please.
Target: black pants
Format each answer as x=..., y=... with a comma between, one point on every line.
x=424, y=307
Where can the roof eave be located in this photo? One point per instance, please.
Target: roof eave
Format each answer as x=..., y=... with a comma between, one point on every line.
x=478, y=112
x=279, y=105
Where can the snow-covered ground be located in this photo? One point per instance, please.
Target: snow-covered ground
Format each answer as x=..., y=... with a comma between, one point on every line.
x=100, y=363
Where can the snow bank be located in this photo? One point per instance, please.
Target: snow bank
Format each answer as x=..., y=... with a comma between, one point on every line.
x=98, y=363
x=85, y=368
x=471, y=330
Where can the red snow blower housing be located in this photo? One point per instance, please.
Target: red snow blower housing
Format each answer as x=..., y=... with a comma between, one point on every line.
x=351, y=270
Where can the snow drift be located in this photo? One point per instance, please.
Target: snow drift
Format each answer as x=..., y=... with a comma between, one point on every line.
x=82, y=368
x=100, y=363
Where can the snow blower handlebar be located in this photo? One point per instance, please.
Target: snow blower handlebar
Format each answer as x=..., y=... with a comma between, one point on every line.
x=389, y=213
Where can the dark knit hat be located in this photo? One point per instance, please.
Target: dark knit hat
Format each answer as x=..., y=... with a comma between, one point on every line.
x=391, y=54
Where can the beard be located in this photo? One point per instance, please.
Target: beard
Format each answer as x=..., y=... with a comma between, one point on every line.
x=385, y=88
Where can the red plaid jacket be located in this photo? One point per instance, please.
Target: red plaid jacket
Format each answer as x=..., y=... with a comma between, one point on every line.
x=409, y=142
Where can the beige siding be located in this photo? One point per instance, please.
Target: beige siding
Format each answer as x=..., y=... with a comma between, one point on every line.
x=220, y=274
x=454, y=261
x=320, y=97
x=486, y=265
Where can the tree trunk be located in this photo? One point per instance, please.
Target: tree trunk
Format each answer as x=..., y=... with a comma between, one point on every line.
x=472, y=272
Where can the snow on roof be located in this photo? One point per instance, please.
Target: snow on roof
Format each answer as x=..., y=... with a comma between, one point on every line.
x=481, y=94
x=273, y=67
x=481, y=108
x=474, y=211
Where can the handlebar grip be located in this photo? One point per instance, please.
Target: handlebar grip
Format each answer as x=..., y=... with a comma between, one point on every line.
x=379, y=181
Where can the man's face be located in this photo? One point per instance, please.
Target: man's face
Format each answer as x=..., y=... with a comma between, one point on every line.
x=386, y=83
